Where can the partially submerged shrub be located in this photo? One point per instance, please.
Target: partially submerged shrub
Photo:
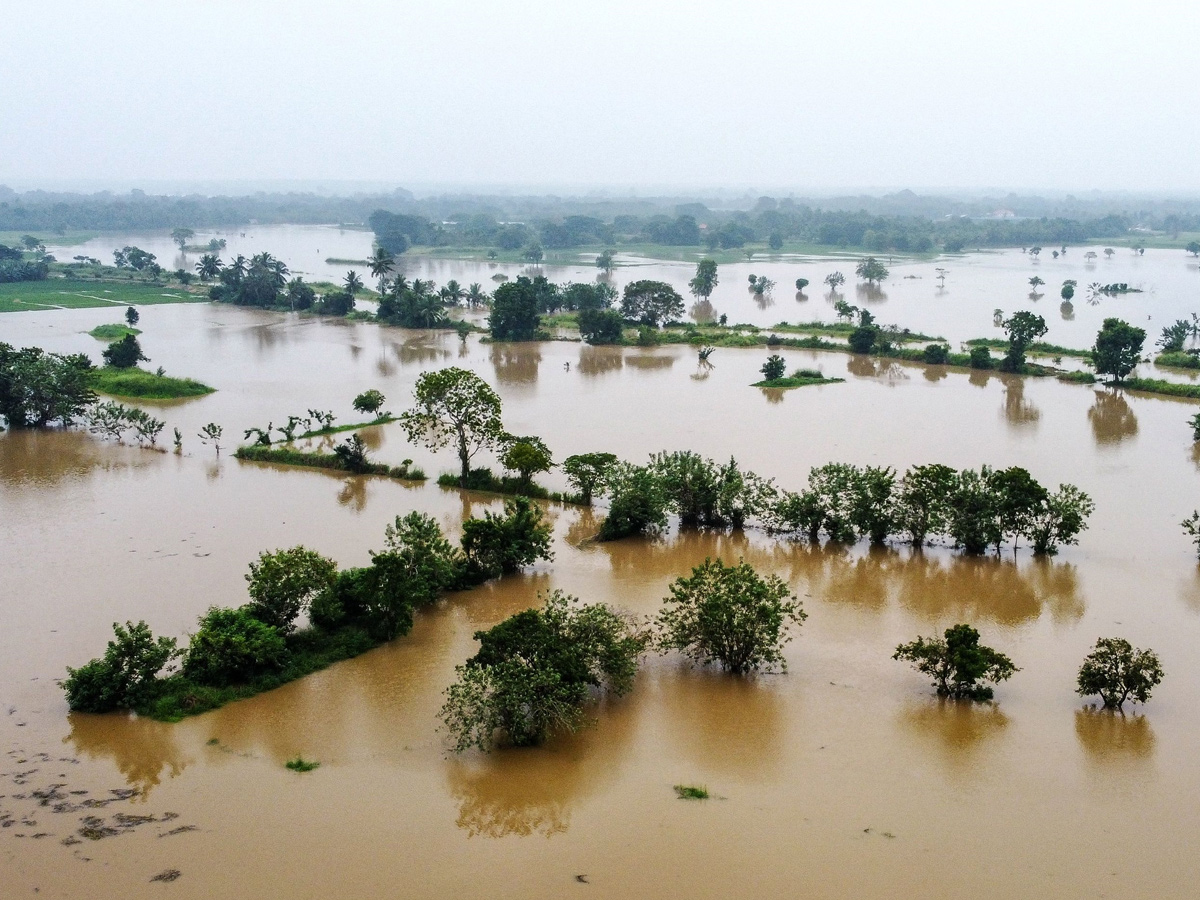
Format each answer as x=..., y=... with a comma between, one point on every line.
x=958, y=663
x=534, y=672
x=729, y=615
x=233, y=647
x=284, y=583
x=1117, y=672
x=126, y=676
x=502, y=544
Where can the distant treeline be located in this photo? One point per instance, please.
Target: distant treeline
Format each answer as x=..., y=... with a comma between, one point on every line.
x=902, y=222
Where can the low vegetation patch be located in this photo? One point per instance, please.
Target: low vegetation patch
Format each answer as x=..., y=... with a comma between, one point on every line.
x=1158, y=386
x=1178, y=360
x=135, y=382
x=1037, y=348
x=300, y=764
x=691, y=792
x=799, y=378
x=113, y=332
x=337, y=429
x=289, y=456
x=1077, y=377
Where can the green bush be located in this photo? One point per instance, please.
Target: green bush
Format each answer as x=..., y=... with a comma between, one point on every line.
x=284, y=583
x=936, y=354
x=958, y=663
x=416, y=566
x=774, y=368
x=125, y=677
x=981, y=358
x=638, y=503
x=233, y=647
x=502, y=544
x=601, y=326
x=862, y=339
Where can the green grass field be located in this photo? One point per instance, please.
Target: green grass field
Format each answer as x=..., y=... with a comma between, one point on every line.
x=59, y=293
x=138, y=383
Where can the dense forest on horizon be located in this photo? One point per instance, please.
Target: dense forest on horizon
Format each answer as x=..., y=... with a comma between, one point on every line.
x=903, y=221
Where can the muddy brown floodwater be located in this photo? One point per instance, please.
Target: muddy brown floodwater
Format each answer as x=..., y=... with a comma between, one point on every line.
x=843, y=778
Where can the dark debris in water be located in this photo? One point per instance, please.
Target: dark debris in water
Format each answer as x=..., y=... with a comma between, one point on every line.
x=167, y=875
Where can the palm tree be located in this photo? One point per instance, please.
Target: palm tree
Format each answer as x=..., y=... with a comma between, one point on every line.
x=353, y=283
x=452, y=293
x=209, y=266
x=237, y=268
x=400, y=286
x=476, y=296
x=381, y=262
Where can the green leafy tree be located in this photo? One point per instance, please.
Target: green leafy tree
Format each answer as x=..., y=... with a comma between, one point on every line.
x=533, y=253
x=1016, y=499
x=527, y=456
x=862, y=339
x=38, y=389
x=605, y=260
x=921, y=508
x=801, y=284
x=353, y=454
x=381, y=263
x=971, y=512
x=1117, y=672
x=1191, y=527
x=209, y=267
x=535, y=671
x=637, y=503
x=1058, y=519
x=1193, y=247
x=1068, y=289
x=704, y=282
x=774, y=368
x=835, y=280
x=775, y=241
x=369, y=402
x=1118, y=349
x=870, y=270
x=873, y=503
x=415, y=567
x=211, y=434
x=601, y=326
x=651, y=303
x=959, y=665
x=1175, y=336
x=515, y=311
x=232, y=646
x=454, y=407
x=125, y=353
x=1023, y=329
x=588, y=473
x=1034, y=283
x=181, y=236
x=131, y=316
x=284, y=584
x=503, y=544
x=729, y=615
x=126, y=677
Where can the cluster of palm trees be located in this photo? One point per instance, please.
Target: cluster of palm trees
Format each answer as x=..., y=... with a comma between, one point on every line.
x=420, y=304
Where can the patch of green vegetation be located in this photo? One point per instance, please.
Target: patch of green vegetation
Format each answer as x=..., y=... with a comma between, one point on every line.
x=62, y=293
x=845, y=328
x=1166, y=388
x=1037, y=348
x=1178, y=360
x=799, y=378
x=66, y=239
x=112, y=332
x=145, y=385
x=288, y=456
x=309, y=650
x=322, y=432
x=691, y=792
x=484, y=481
x=1077, y=377
x=300, y=764
x=336, y=261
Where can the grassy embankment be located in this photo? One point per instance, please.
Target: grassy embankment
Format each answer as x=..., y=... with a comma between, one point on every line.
x=1177, y=360
x=113, y=332
x=315, y=459
x=1037, y=348
x=142, y=385
x=485, y=482
x=69, y=293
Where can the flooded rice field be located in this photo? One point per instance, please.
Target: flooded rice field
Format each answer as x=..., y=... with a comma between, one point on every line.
x=845, y=777
x=913, y=296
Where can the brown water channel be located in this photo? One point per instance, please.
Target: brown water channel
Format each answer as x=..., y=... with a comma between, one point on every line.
x=843, y=778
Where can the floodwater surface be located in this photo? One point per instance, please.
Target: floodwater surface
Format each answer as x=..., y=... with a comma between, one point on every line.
x=844, y=777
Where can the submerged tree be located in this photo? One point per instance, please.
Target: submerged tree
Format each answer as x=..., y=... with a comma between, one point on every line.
x=454, y=406
x=284, y=584
x=588, y=473
x=958, y=663
x=534, y=672
x=126, y=676
x=125, y=353
x=705, y=279
x=1023, y=329
x=1117, y=672
x=731, y=616
x=1118, y=349
x=870, y=270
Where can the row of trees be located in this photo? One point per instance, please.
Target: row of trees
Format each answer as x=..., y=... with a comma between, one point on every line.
x=259, y=644
x=535, y=672
x=14, y=266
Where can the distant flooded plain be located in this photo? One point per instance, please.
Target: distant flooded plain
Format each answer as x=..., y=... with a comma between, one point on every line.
x=844, y=777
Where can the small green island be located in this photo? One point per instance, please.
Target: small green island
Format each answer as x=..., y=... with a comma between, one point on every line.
x=138, y=383
x=799, y=378
x=113, y=331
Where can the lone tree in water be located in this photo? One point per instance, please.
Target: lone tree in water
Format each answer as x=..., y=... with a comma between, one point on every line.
x=1117, y=672
x=729, y=615
x=369, y=402
x=131, y=316
x=454, y=406
x=1118, y=349
x=958, y=663
x=835, y=280
x=705, y=279
x=588, y=473
x=1023, y=329
x=870, y=270
x=774, y=368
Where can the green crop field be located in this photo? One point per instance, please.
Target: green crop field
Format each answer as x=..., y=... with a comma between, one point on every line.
x=58, y=293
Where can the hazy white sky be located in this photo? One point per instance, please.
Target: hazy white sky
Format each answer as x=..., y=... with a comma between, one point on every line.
x=1052, y=95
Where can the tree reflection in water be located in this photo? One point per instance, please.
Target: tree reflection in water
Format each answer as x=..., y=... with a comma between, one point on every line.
x=142, y=749
x=1112, y=419
x=516, y=363
x=599, y=360
x=1018, y=411
x=961, y=729
x=1112, y=738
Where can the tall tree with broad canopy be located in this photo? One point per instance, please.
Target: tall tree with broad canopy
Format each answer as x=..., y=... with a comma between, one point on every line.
x=1023, y=329
x=651, y=302
x=515, y=310
x=1117, y=672
x=588, y=473
x=729, y=615
x=705, y=279
x=871, y=270
x=284, y=583
x=454, y=407
x=1118, y=349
